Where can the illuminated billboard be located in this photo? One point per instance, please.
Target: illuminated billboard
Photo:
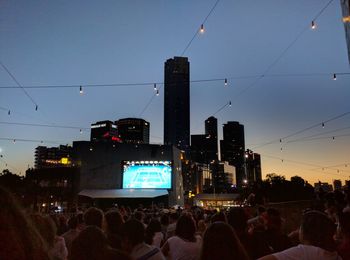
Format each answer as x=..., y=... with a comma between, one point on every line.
x=147, y=174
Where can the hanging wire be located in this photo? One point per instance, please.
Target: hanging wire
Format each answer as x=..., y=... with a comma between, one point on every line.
x=19, y=85
x=279, y=57
x=318, y=134
x=302, y=163
x=44, y=125
x=303, y=130
x=14, y=140
x=258, y=77
x=150, y=101
x=201, y=28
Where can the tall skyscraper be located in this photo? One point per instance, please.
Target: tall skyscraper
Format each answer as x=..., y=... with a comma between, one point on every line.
x=177, y=103
x=133, y=130
x=204, y=148
x=253, y=166
x=233, y=148
x=211, y=133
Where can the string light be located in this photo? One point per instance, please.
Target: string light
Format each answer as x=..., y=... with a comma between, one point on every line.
x=81, y=90
x=322, y=124
x=201, y=30
x=229, y=104
x=155, y=86
x=81, y=131
x=14, y=140
x=334, y=76
x=157, y=92
x=313, y=25
x=225, y=82
x=255, y=76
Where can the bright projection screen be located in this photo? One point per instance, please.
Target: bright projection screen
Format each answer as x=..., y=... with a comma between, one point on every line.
x=147, y=174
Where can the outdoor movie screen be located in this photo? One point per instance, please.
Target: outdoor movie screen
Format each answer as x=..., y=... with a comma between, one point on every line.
x=147, y=174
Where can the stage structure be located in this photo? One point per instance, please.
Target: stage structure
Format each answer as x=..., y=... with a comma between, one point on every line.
x=129, y=171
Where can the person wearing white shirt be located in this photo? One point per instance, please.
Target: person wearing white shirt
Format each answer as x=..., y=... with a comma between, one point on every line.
x=316, y=237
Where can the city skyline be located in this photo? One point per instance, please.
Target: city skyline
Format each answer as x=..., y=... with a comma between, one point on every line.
x=129, y=42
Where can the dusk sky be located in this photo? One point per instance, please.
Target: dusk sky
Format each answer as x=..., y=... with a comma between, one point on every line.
x=47, y=43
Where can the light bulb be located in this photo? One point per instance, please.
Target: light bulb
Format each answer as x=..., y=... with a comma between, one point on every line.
x=334, y=76
x=202, y=29
x=313, y=25
x=81, y=90
x=157, y=92
x=225, y=82
x=155, y=86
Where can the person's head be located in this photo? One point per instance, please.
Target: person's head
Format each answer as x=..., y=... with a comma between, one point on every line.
x=62, y=220
x=164, y=220
x=220, y=242
x=46, y=227
x=153, y=227
x=93, y=217
x=237, y=219
x=73, y=222
x=133, y=233
x=89, y=244
x=201, y=226
x=173, y=217
x=19, y=239
x=114, y=221
x=317, y=229
x=80, y=218
x=220, y=216
x=185, y=227
x=273, y=219
x=139, y=215
x=344, y=224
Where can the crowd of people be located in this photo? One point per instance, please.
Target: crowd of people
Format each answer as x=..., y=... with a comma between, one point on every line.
x=175, y=233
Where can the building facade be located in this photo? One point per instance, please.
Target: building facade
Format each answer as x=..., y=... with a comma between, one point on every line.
x=345, y=5
x=52, y=157
x=204, y=148
x=177, y=103
x=233, y=148
x=103, y=131
x=133, y=130
x=211, y=135
x=253, y=166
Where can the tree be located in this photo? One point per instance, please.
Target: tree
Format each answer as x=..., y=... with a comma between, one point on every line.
x=274, y=178
x=11, y=182
x=296, y=180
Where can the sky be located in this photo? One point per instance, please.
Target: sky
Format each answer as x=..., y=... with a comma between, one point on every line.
x=45, y=43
